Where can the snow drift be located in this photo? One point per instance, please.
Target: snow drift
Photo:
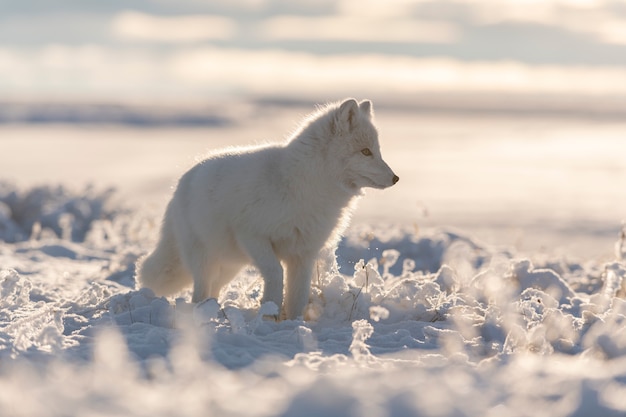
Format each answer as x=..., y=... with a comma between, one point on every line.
x=401, y=325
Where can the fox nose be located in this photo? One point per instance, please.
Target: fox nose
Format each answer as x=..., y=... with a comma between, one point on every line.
x=395, y=179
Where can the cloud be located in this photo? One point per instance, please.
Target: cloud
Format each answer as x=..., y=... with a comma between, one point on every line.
x=204, y=72
x=137, y=26
x=590, y=17
x=358, y=29
x=267, y=72
x=427, y=21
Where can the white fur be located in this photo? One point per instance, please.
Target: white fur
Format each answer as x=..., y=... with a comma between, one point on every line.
x=272, y=206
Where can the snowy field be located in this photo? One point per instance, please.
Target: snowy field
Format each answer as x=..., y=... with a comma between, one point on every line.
x=489, y=282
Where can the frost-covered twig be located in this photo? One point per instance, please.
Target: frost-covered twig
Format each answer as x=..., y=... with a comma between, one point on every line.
x=365, y=285
x=356, y=297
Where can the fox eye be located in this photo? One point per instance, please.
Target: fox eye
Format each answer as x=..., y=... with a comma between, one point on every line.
x=366, y=152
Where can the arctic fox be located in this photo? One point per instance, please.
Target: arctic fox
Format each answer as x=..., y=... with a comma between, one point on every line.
x=271, y=206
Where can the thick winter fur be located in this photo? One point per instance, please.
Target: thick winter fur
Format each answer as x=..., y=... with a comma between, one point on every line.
x=274, y=206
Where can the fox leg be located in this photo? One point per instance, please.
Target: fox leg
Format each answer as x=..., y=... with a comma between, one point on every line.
x=262, y=254
x=205, y=278
x=299, y=274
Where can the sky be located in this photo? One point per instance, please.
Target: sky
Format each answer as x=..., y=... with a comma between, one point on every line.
x=194, y=50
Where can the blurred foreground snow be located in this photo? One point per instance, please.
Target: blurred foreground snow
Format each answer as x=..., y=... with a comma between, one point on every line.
x=403, y=325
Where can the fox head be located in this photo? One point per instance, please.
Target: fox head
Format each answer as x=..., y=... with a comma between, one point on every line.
x=355, y=145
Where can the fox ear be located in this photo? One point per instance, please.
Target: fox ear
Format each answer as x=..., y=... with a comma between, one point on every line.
x=366, y=108
x=347, y=114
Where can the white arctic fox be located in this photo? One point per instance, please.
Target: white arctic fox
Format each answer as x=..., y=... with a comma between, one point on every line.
x=270, y=206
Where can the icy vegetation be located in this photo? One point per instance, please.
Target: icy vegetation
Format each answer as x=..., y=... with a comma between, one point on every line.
x=400, y=325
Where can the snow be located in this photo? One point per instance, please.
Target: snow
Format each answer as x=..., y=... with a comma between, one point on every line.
x=402, y=324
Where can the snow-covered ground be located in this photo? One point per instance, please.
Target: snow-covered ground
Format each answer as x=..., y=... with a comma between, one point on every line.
x=518, y=310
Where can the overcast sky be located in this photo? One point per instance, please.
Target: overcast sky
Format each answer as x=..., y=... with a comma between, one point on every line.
x=195, y=49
